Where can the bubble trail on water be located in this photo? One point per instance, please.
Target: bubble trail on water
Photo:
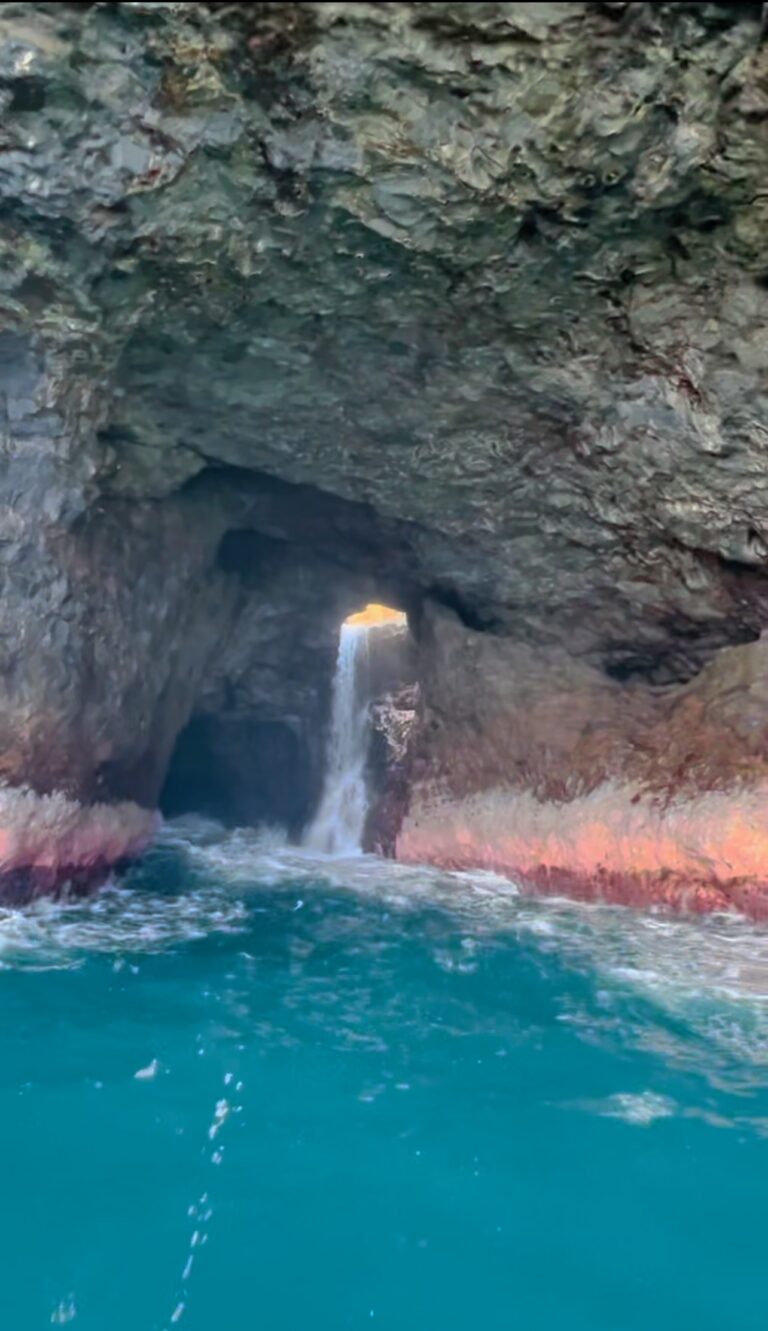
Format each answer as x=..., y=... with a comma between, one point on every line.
x=200, y=1211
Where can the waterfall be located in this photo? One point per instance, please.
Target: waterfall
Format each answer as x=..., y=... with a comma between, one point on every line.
x=338, y=825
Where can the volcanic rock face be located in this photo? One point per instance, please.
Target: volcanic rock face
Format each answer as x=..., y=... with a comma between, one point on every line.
x=445, y=305
x=533, y=764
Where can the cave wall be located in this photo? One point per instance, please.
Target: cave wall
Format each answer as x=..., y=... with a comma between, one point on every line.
x=498, y=274
x=538, y=766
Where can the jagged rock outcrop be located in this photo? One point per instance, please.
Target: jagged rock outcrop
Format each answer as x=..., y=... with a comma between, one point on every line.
x=464, y=303
x=390, y=776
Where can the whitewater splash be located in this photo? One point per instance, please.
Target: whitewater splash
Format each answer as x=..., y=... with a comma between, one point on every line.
x=338, y=825
x=691, y=990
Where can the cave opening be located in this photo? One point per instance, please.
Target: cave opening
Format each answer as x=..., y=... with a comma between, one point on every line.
x=259, y=746
x=375, y=614
x=299, y=569
x=240, y=770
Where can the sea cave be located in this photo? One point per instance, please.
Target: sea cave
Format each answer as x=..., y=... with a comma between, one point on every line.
x=383, y=664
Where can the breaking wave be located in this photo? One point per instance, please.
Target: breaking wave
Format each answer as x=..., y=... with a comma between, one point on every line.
x=692, y=990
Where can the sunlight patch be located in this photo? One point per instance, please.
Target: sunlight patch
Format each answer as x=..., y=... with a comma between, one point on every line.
x=376, y=614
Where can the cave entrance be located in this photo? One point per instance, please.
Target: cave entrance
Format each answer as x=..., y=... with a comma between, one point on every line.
x=385, y=649
x=374, y=614
x=240, y=770
x=256, y=751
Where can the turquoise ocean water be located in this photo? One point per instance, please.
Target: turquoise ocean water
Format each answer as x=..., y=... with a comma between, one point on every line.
x=250, y=1090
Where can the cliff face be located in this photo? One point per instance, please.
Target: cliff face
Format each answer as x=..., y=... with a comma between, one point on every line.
x=459, y=307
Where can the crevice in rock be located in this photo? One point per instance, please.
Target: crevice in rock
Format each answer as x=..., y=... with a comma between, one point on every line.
x=27, y=94
x=473, y=617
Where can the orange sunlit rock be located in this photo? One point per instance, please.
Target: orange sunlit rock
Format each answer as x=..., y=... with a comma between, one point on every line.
x=705, y=852
x=376, y=614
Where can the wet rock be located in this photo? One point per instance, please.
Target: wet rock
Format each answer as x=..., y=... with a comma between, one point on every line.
x=390, y=773
x=392, y=685
x=51, y=845
x=570, y=782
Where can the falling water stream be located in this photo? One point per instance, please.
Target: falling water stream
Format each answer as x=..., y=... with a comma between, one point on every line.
x=338, y=826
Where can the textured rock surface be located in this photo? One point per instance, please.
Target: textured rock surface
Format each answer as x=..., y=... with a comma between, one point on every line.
x=393, y=739
x=392, y=686
x=476, y=293
x=530, y=764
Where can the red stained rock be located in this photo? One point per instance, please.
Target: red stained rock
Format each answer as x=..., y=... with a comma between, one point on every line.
x=544, y=769
x=49, y=844
x=708, y=853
